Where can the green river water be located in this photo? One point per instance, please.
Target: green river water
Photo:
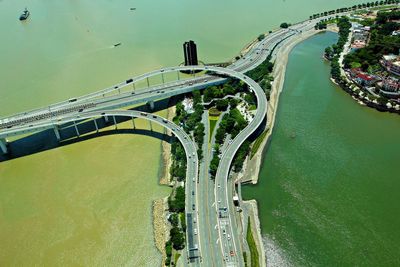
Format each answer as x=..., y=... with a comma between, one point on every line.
x=89, y=203
x=328, y=191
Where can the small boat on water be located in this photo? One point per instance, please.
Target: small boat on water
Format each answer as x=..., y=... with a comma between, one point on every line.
x=24, y=15
x=117, y=44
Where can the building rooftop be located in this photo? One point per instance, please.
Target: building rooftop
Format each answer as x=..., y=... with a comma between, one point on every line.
x=365, y=77
x=390, y=57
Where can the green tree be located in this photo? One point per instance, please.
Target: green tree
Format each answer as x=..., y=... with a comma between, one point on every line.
x=284, y=25
x=222, y=104
x=233, y=102
x=177, y=238
x=214, y=164
x=173, y=219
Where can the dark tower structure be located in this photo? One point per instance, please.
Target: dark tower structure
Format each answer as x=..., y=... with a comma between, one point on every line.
x=190, y=51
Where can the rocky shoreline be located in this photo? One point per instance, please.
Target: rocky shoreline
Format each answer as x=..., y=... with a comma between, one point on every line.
x=160, y=206
x=160, y=225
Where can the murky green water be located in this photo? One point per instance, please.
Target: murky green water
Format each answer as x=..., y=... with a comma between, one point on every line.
x=89, y=203
x=329, y=187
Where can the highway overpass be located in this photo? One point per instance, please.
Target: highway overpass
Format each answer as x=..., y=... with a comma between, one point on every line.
x=100, y=104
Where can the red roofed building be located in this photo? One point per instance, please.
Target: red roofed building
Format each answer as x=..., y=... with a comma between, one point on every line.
x=364, y=79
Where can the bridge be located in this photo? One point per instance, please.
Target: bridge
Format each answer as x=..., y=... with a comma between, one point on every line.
x=102, y=104
x=54, y=122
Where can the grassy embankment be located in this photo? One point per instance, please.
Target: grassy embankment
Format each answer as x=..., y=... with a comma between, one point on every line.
x=258, y=143
x=252, y=246
x=213, y=118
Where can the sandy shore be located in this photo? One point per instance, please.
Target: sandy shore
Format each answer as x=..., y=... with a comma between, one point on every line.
x=332, y=28
x=248, y=47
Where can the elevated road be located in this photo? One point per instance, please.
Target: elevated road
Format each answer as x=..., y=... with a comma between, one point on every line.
x=187, y=143
x=124, y=94
x=191, y=210
x=228, y=236
x=129, y=95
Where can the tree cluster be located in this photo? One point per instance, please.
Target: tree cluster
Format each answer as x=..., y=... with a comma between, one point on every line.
x=333, y=52
x=231, y=87
x=168, y=251
x=178, y=167
x=177, y=203
x=322, y=25
x=177, y=236
x=353, y=8
x=285, y=25
x=381, y=42
x=191, y=123
x=241, y=156
x=261, y=74
x=232, y=122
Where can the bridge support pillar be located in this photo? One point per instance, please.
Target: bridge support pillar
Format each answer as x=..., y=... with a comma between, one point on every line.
x=57, y=133
x=3, y=145
x=148, y=83
x=151, y=126
x=151, y=104
x=95, y=125
x=162, y=77
x=115, y=122
x=133, y=86
x=133, y=123
x=178, y=75
x=76, y=129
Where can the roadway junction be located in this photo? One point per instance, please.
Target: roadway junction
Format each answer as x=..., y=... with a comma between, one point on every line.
x=202, y=239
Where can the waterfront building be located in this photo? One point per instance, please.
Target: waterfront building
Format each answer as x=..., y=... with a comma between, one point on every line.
x=360, y=36
x=364, y=79
x=361, y=78
x=190, y=52
x=391, y=63
x=357, y=44
x=391, y=84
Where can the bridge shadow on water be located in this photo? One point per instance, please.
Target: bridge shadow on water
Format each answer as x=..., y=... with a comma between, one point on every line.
x=46, y=140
